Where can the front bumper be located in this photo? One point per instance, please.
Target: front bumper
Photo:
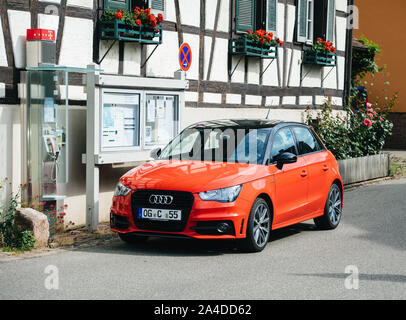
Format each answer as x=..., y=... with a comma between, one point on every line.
x=204, y=220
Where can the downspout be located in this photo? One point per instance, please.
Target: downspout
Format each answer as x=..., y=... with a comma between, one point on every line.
x=348, y=58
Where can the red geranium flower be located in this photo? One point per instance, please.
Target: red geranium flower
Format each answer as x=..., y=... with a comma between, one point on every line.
x=138, y=22
x=119, y=15
x=160, y=17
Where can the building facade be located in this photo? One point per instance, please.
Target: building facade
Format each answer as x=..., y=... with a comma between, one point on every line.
x=391, y=44
x=221, y=83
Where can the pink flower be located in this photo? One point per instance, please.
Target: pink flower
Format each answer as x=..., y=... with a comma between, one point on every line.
x=367, y=122
x=381, y=119
x=369, y=105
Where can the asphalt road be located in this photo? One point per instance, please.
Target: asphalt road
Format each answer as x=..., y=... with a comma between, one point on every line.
x=300, y=262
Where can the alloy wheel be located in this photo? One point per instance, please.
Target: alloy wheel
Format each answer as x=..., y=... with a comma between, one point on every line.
x=335, y=206
x=261, y=225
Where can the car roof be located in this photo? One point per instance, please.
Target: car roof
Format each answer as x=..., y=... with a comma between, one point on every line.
x=242, y=124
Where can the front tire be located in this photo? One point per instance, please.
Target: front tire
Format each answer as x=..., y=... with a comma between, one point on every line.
x=332, y=210
x=258, y=227
x=132, y=238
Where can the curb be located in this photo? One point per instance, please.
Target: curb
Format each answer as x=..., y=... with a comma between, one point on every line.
x=366, y=183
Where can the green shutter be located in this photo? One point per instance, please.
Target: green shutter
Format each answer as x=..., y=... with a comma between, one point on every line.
x=245, y=15
x=157, y=5
x=330, y=20
x=302, y=21
x=271, y=15
x=116, y=4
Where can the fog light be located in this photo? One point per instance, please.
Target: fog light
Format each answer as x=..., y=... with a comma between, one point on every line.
x=223, y=227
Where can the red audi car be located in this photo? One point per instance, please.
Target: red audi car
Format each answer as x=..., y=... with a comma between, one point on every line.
x=230, y=179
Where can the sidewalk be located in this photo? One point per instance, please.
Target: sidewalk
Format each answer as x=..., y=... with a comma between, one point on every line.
x=397, y=163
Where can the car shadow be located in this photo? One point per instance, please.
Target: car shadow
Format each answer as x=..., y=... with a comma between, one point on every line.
x=155, y=246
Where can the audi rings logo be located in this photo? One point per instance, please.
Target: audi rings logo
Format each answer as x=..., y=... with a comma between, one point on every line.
x=160, y=199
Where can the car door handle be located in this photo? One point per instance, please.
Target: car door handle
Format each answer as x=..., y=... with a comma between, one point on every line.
x=304, y=174
x=325, y=167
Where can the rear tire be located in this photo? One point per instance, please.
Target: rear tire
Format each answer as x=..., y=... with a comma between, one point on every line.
x=258, y=227
x=332, y=210
x=132, y=238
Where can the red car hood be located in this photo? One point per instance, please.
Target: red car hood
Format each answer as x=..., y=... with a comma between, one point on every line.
x=192, y=176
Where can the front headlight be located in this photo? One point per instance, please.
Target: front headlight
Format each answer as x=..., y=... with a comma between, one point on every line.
x=121, y=190
x=222, y=195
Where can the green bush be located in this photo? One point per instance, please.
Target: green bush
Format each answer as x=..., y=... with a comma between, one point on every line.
x=351, y=134
x=20, y=240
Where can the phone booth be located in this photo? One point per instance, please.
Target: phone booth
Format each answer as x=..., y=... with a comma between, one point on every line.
x=46, y=125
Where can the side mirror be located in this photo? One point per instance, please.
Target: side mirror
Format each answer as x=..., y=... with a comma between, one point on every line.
x=285, y=158
x=155, y=153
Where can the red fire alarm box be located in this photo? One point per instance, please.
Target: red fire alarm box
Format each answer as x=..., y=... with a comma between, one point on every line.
x=41, y=47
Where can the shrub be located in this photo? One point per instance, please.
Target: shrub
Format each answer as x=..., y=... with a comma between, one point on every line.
x=353, y=134
x=20, y=240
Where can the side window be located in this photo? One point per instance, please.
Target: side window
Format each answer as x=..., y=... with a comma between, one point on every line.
x=307, y=143
x=283, y=141
x=304, y=21
x=324, y=25
x=245, y=15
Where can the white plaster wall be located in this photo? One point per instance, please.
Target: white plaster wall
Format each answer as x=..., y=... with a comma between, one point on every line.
x=253, y=70
x=202, y=114
x=233, y=98
x=341, y=72
x=211, y=97
x=280, y=32
x=224, y=15
x=270, y=76
x=3, y=57
x=341, y=5
x=48, y=21
x=19, y=22
x=330, y=75
x=294, y=79
x=164, y=62
x=219, y=70
x=288, y=100
x=313, y=77
x=291, y=16
x=77, y=43
x=111, y=60
x=253, y=100
x=2, y=90
x=189, y=12
x=305, y=100
x=191, y=96
x=132, y=58
x=272, y=101
x=238, y=75
x=341, y=24
x=170, y=14
x=10, y=148
x=286, y=62
x=81, y=3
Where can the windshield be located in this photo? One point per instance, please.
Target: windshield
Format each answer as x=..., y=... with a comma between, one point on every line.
x=219, y=144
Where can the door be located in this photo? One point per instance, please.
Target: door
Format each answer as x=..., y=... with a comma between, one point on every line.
x=317, y=165
x=290, y=182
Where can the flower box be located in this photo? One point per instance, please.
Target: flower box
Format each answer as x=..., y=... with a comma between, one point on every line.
x=244, y=46
x=118, y=30
x=318, y=58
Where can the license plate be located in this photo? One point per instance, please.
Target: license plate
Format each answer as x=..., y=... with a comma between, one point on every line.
x=159, y=214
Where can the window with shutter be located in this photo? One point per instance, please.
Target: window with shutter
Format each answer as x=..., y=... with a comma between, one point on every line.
x=304, y=21
x=245, y=15
x=157, y=5
x=116, y=4
x=272, y=15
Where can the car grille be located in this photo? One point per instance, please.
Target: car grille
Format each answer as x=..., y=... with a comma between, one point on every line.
x=181, y=201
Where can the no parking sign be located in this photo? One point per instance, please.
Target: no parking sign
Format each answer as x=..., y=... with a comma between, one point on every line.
x=185, y=57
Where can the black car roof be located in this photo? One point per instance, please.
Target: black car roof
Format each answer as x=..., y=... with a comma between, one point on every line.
x=242, y=123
